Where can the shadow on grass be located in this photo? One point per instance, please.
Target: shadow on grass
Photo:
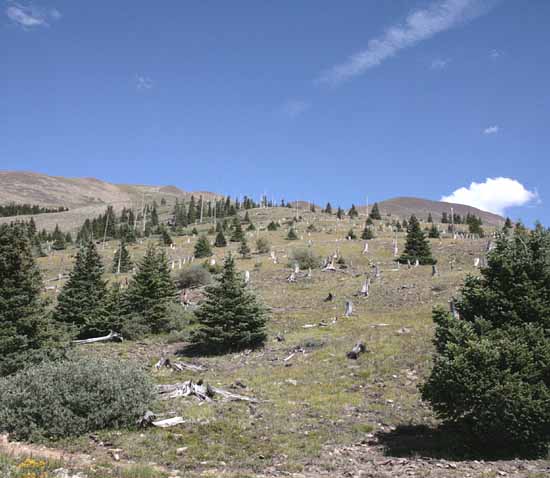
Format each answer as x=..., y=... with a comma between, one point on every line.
x=202, y=350
x=443, y=442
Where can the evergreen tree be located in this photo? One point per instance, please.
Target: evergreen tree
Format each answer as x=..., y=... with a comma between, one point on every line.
x=165, y=237
x=220, y=240
x=192, y=211
x=367, y=233
x=238, y=234
x=32, y=227
x=151, y=291
x=58, y=239
x=230, y=318
x=351, y=234
x=430, y=219
x=246, y=218
x=154, y=217
x=434, y=232
x=352, y=213
x=27, y=334
x=68, y=238
x=251, y=227
x=417, y=246
x=122, y=262
x=490, y=370
x=292, y=236
x=202, y=247
x=444, y=218
x=272, y=226
x=244, y=250
x=507, y=226
x=81, y=302
x=375, y=212
x=339, y=213
x=328, y=208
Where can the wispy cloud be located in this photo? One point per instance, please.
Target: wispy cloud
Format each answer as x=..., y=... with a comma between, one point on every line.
x=491, y=130
x=418, y=26
x=495, y=54
x=143, y=82
x=295, y=108
x=494, y=195
x=30, y=16
x=439, y=64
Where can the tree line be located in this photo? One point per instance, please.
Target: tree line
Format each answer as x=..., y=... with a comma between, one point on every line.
x=13, y=209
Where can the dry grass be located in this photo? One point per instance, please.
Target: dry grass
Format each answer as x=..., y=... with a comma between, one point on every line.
x=318, y=399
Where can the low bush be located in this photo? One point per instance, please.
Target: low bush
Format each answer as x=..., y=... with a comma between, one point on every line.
x=263, y=246
x=195, y=276
x=305, y=258
x=72, y=397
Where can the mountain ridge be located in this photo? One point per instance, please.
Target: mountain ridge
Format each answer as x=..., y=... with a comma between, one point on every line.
x=88, y=197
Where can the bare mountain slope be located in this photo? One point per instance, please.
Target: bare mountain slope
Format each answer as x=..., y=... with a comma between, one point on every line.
x=403, y=207
x=85, y=197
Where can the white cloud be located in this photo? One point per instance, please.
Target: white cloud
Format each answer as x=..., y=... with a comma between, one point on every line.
x=30, y=16
x=439, y=64
x=495, y=54
x=491, y=130
x=494, y=195
x=418, y=26
x=143, y=82
x=295, y=108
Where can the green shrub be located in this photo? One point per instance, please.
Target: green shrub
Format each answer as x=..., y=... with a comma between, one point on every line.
x=263, y=246
x=491, y=369
x=305, y=258
x=72, y=397
x=194, y=276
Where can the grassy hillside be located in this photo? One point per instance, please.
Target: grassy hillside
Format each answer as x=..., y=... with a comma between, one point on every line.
x=319, y=413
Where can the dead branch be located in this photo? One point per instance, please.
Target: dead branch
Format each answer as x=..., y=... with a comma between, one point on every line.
x=113, y=336
x=200, y=390
x=178, y=366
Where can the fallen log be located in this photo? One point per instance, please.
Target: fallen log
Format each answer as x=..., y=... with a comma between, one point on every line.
x=113, y=336
x=201, y=390
x=186, y=389
x=356, y=351
x=178, y=366
x=169, y=422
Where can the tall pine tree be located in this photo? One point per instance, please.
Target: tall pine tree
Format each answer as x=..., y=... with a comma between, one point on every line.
x=202, y=247
x=151, y=291
x=81, y=302
x=375, y=212
x=27, y=334
x=230, y=318
x=417, y=246
x=122, y=262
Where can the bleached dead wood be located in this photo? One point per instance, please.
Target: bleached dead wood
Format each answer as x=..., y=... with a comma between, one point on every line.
x=113, y=336
x=357, y=350
x=169, y=422
x=199, y=389
x=186, y=389
x=178, y=366
x=150, y=419
x=349, y=308
x=364, y=288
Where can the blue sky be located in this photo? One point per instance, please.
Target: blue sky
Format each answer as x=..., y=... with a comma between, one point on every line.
x=312, y=99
